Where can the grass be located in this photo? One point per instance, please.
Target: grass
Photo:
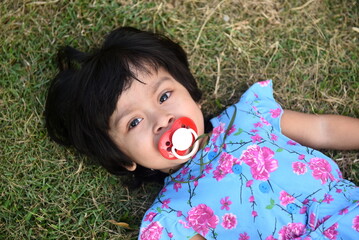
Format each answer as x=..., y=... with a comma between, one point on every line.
x=309, y=48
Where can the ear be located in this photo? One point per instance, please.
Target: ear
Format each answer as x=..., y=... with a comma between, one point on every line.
x=131, y=168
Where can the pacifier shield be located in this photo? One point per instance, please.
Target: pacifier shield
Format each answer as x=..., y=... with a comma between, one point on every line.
x=180, y=137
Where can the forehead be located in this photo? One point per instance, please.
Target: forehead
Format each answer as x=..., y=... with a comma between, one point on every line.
x=148, y=78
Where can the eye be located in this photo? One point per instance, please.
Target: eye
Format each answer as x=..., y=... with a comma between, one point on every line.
x=135, y=122
x=164, y=97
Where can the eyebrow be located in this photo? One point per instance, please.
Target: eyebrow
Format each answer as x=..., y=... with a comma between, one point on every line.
x=159, y=83
x=126, y=111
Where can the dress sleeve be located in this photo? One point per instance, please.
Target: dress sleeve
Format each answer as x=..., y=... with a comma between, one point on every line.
x=155, y=226
x=260, y=97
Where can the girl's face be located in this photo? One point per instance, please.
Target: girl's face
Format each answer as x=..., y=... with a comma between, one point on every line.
x=147, y=110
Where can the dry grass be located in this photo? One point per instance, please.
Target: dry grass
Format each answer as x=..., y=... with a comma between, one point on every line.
x=309, y=48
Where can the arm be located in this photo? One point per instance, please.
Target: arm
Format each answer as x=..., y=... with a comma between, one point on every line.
x=321, y=131
x=197, y=237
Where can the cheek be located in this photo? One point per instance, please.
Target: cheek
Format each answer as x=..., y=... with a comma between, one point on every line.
x=141, y=144
x=128, y=144
x=198, y=117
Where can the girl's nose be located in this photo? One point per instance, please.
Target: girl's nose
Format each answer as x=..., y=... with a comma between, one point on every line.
x=163, y=122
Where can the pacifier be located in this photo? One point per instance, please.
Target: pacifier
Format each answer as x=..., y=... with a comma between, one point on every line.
x=179, y=139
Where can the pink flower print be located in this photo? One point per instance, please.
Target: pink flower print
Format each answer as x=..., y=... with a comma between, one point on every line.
x=301, y=157
x=225, y=202
x=179, y=213
x=264, y=121
x=328, y=198
x=332, y=232
x=339, y=173
x=312, y=221
x=264, y=83
x=321, y=169
x=226, y=162
x=275, y=112
x=291, y=142
x=165, y=203
x=177, y=186
x=273, y=137
x=243, y=236
x=303, y=210
x=218, y=175
x=185, y=170
x=285, y=198
x=208, y=168
x=163, y=190
x=343, y=211
x=254, y=131
x=256, y=138
x=232, y=130
x=152, y=232
x=170, y=235
x=217, y=131
x=254, y=214
x=321, y=221
x=339, y=190
x=356, y=223
x=150, y=216
x=258, y=125
x=229, y=221
x=249, y=183
x=201, y=218
x=195, y=183
x=292, y=231
x=260, y=161
x=270, y=238
x=251, y=199
x=299, y=168
x=185, y=225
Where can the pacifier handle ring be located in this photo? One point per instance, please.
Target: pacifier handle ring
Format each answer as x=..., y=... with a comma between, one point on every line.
x=194, y=149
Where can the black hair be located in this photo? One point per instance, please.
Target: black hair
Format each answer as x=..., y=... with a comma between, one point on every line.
x=83, y=95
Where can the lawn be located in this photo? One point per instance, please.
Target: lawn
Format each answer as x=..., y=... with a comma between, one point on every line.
x=309, y=49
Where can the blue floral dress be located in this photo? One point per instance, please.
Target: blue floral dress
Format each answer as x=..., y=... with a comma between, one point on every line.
x=252, y=182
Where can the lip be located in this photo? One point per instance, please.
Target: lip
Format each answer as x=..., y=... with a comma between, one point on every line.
x=165, y=142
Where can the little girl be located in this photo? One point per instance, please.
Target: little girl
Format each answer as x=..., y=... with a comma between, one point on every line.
x=133, y=105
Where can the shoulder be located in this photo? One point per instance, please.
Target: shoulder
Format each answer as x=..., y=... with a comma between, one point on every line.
x=259, y=90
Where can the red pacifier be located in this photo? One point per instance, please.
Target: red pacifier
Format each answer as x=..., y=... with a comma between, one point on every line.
x=179, y=139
